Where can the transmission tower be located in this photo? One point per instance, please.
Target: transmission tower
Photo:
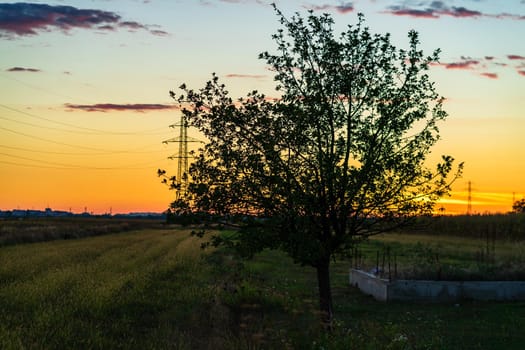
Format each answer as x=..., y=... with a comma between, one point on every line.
x=469, y=200
x=182, y=155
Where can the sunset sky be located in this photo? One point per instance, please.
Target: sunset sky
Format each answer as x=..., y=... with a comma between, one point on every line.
x=84, y=102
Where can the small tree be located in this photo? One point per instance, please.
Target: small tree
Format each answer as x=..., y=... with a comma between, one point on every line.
x=519, y=206
x=339, y=156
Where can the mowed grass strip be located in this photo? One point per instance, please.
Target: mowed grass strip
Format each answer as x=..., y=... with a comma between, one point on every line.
x=111, y=291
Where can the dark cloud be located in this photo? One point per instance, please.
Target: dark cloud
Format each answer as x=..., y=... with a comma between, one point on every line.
x=437, y=9
x=159, y=32
x=132, y=25
x=521, y=72
x=22, y=19
x=22, y=69
x=343, y=8
x=104, y=107
x=515, y=57
x=400, y=11
x=106, y=27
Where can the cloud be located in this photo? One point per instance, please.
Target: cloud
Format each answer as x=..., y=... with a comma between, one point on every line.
x=24, y=19
x=482, y=66
x=515, y=57
x=251, y=76
x=346, y=7
x=22, y=69
x=159, y=32
x=212, y=3
x=132, y=25
x=489, y=75
x=104, y=107
x=437, y=9
x=466, y=64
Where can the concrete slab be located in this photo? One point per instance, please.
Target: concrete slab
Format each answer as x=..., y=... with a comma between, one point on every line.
x=436, y=291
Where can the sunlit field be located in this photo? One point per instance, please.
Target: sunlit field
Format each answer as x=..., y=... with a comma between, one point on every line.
x=154, y=288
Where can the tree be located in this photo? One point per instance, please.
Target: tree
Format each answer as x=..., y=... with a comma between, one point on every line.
x=519, y=206
x=338, y=156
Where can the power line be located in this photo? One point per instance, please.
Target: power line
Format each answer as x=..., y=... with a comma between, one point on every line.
x=70, y=168
x=49, y=92
x=33, y=165
x=74, y=153
x=76, y=129
x=75, y=146
x=90, y=130
x=75, y=166
x=45, y=127
x=37, y=160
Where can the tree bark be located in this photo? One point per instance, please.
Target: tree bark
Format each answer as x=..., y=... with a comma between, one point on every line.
x=325, y=293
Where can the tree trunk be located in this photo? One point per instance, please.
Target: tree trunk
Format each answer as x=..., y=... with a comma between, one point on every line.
x=325, y=293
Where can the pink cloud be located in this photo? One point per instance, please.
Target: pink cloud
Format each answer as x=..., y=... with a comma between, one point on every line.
x=251, y=76
x=521, y=72
x=469, y=64
x=438, y=9
x=490, y=75
x=343, y=8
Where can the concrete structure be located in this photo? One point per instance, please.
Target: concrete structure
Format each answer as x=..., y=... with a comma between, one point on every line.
x=436, y=291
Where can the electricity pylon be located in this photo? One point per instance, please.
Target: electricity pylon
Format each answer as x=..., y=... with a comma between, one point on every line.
x=182, y=178
x=469, y=199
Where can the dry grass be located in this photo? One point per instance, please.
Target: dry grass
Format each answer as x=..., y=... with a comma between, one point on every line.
x=30, y=230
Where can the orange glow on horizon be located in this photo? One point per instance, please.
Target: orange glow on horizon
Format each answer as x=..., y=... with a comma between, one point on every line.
x=481, y=203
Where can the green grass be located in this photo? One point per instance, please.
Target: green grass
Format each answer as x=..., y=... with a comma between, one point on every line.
x=128, y=290
x=456, y=257
x=155, y=289
x=509, y=226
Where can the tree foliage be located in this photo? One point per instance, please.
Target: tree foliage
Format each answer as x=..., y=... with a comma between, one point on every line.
x=519, y=206
x=338, y=156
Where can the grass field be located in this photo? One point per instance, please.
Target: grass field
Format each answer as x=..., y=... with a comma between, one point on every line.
x=155, y=289
x=453, y=257
x=35, y=229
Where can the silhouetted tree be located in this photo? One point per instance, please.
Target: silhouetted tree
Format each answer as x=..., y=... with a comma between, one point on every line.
x=339, y=156
x=519, y=206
